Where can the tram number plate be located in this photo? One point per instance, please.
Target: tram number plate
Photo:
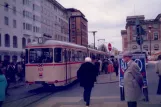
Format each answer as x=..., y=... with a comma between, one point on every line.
x=40, y=69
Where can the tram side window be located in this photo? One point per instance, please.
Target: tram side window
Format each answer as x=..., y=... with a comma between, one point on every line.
x=41, y=55
x=69, y=55
x=26, y=56
x=58, y=55
x=73, y=55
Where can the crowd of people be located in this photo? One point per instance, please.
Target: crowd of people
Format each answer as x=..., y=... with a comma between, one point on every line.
x=10, y=72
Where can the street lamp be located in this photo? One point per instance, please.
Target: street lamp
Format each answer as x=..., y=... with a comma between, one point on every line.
x=150, y=27
x=94, y=32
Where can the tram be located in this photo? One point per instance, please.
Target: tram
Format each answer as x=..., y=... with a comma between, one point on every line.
x=55, y=62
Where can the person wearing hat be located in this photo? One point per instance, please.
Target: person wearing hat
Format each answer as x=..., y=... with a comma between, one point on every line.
x=132, y=89
x=158, y=71
x=87, y=77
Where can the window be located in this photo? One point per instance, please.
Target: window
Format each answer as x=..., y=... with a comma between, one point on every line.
x=7, y=40
x=58, y=55
x=15, y=42
x=156, y=36
x=27, y=14
x=24, y=26
x=6, y=20
x=23, y=42
x=155, y=26
x=26, y=2
x=41, y=55
x=134, y=47
x=14, y=24
x=14, y=10
x=36, y=7
x=6, y=5
x=156, y=47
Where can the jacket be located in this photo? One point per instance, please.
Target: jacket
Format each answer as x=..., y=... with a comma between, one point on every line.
x=87, y=75
x=132, y=89
x=3, y=85
x=158, y=68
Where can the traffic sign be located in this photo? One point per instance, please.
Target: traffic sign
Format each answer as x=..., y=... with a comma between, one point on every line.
x=109, y=47
x=139, y=40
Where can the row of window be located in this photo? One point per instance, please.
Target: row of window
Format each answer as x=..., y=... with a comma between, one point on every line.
x=7, y=57
x=148, y=37
x=156, y=47
x=34, y=6
x=27, y=26
x=6, y=22
x=15, y=41
x=45, y=55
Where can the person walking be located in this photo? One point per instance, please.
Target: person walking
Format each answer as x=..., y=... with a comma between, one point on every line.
x=3, y=85
x=87, y=76
x=100, y=67
x=158, y=71
x=116, y=66
x=132, y=76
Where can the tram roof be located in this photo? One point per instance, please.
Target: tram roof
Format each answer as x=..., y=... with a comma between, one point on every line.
x=53, y=43
x=58, y=43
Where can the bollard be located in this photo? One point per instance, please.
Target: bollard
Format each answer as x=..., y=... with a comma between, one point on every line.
x=122, y=94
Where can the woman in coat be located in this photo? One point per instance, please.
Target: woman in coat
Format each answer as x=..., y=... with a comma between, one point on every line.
x=3, y=85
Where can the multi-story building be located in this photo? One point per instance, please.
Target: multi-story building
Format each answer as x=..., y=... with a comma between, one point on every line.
x=154, y=36
x=54, y=19
x=78, y=27
x=19, y=25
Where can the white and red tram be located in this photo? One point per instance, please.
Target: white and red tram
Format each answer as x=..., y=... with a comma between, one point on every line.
x=55, y=62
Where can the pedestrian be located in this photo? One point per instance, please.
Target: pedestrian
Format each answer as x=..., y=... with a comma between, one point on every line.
x=116, y=66
x=110, y=67
x=105, y=65
x=100, y=67
x=87, y=77
x=3, y=85
x=158, y=71
x=133, y=81
x=97, y=65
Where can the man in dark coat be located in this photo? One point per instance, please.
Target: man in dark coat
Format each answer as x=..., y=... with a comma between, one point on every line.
x=158, y=71
x=87, y=76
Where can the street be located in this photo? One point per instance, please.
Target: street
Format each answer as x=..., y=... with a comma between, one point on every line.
x=104, y=94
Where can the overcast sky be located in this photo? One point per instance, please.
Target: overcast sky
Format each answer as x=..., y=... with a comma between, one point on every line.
x=108, y=17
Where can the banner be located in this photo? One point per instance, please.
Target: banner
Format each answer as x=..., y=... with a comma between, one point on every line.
x=140, y=59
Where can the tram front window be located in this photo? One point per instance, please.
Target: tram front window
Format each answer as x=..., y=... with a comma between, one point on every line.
x=41, y=55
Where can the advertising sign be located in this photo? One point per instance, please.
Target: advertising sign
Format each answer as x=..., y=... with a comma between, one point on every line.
x=140, y=60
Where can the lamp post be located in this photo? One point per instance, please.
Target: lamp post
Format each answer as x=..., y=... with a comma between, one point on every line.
x=150, y=27
x=94, y=32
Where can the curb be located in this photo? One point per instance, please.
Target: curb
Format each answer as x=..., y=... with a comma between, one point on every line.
x=107, y=82
x=17, y=86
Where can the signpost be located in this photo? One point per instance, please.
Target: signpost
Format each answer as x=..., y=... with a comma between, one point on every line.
x=141, y=61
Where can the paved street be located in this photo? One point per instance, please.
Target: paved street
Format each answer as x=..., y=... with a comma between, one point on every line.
x=105, y=94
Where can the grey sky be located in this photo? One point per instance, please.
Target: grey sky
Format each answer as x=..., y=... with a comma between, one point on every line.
x=108, y=17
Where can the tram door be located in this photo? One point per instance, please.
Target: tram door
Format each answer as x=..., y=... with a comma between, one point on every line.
x=67, y=65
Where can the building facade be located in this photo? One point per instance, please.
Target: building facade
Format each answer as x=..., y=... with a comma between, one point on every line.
x=54, y=19
x=78, y=27
x=153, y=35
x=124, y=40
x=19, y=25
